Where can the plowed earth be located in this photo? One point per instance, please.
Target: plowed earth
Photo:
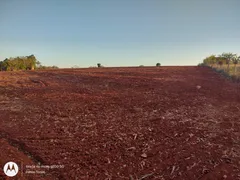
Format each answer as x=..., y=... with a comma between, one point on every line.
x=121, y=123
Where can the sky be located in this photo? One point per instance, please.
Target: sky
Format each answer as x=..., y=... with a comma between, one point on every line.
x=119, y=32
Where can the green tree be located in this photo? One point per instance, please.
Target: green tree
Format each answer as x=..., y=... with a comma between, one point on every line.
x=228, y=57
x=19, y=63
x=210, y=60
x=158, y=64
x=219, y=61
x=1, y=66
x=236, y=60
x=31, y=62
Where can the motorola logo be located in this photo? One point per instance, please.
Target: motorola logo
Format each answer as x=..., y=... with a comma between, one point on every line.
x=10, y=169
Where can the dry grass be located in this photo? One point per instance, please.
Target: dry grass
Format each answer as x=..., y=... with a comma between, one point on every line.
x=231, y=72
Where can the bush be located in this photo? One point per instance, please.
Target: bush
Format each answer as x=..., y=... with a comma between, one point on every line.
x=201, y=64
x=233, y=77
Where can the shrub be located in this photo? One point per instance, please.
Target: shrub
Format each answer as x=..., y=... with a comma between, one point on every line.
x=201, y=64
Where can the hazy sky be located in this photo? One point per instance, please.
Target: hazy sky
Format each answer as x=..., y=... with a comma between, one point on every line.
x=119, y=32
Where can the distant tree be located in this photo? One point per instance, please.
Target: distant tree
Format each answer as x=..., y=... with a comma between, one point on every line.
x=158, y=64
x=21, y=63
x=236, y=60
x=55, y=67
x=4, y=65
x=228, y=57
x=75, y=67
x=99, y=65
x=224, y=58
x=219, y=61
x=201, y=64
x=47, y=67
x=141, y=65
x=1, y=66
x=31, y=60
x=210, y=61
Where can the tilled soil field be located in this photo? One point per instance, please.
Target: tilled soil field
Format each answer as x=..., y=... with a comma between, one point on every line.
x=121, y=123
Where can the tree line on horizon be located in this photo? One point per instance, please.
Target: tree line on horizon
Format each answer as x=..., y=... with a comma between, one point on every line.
x=22, y=63
x=31, y=63
x=100, y=65
x=222, y=59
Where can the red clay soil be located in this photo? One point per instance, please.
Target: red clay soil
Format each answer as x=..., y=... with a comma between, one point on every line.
x=121, y=123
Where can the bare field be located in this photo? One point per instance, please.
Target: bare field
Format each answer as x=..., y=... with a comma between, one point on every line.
x=122, y=123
